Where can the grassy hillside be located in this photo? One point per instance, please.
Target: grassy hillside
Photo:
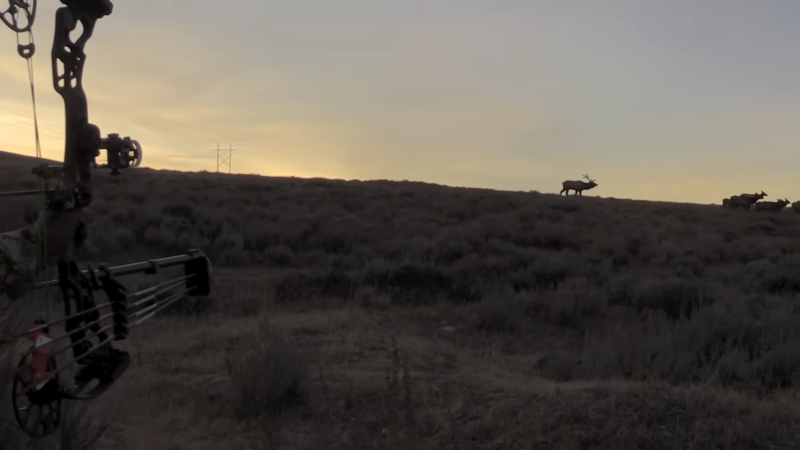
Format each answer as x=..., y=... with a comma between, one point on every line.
x=353, y=314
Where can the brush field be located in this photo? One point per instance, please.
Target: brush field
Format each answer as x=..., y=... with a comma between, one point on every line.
x=404, y=315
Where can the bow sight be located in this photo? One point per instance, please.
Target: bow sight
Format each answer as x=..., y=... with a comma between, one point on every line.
x=41, y=382
x=122, y=153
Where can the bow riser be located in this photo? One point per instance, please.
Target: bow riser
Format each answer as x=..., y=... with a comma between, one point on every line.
x=82, y=142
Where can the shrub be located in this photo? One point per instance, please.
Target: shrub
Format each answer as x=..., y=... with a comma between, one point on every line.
x=411, y=283
x=369, y=297
x=550, y=270
x=779, y=368
x=780, y=278
x=621, y=290
x=503, y=313
x=675, y=296
x=280, y=256
x=295, y=286
x=270, y=376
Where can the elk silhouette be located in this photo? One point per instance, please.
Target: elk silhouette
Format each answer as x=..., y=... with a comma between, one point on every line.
x=743, y=200
x=772, y=206
x=578, y=186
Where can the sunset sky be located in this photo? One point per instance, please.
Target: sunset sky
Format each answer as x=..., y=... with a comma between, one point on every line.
x=685, y=100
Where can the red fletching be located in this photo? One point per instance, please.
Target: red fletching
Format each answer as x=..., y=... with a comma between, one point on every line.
x=38, y=361
x=34, y=330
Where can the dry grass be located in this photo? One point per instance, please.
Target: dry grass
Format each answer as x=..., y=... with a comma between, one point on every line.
x=379, y=314
x=268, y=374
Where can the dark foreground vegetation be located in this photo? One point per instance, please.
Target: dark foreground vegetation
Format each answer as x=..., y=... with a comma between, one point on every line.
x=379, y=314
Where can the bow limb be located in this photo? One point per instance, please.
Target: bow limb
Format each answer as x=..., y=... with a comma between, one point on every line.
x=25, y=9
x=19, y=17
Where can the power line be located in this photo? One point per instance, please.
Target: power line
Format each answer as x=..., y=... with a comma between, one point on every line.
x=26, y=129
x=223, y=160
x=161, y=155
x=60, y=129
x=33, y=126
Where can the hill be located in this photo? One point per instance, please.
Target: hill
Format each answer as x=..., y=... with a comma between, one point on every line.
x=382, y=314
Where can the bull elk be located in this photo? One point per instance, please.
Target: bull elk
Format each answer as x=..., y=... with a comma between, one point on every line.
x=772, y=206
x=577, y=186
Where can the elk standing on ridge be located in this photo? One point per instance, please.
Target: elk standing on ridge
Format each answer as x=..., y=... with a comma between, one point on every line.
x=577, y=186
x=772, y=206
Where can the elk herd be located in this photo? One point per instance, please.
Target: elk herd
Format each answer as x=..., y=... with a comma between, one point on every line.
x=746, y=201
x=741, y=201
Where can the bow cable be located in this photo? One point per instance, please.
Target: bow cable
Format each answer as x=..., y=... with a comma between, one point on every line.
x=41, y=270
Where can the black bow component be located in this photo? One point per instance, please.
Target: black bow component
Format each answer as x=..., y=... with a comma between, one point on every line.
x=41, y=381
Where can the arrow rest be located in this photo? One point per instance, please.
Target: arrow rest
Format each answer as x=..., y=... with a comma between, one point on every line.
x=90, y=329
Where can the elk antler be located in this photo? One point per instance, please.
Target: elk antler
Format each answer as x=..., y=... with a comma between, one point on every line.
x=586, y=175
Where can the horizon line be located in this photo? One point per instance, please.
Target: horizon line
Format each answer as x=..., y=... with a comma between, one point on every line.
x=532, y=191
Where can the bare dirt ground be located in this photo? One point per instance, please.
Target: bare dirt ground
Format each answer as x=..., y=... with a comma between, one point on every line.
x=352, y=315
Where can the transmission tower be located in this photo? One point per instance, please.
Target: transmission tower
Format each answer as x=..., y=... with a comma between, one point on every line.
x=223, y=160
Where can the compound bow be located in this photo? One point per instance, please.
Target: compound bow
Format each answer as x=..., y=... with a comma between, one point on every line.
x=40, y=384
